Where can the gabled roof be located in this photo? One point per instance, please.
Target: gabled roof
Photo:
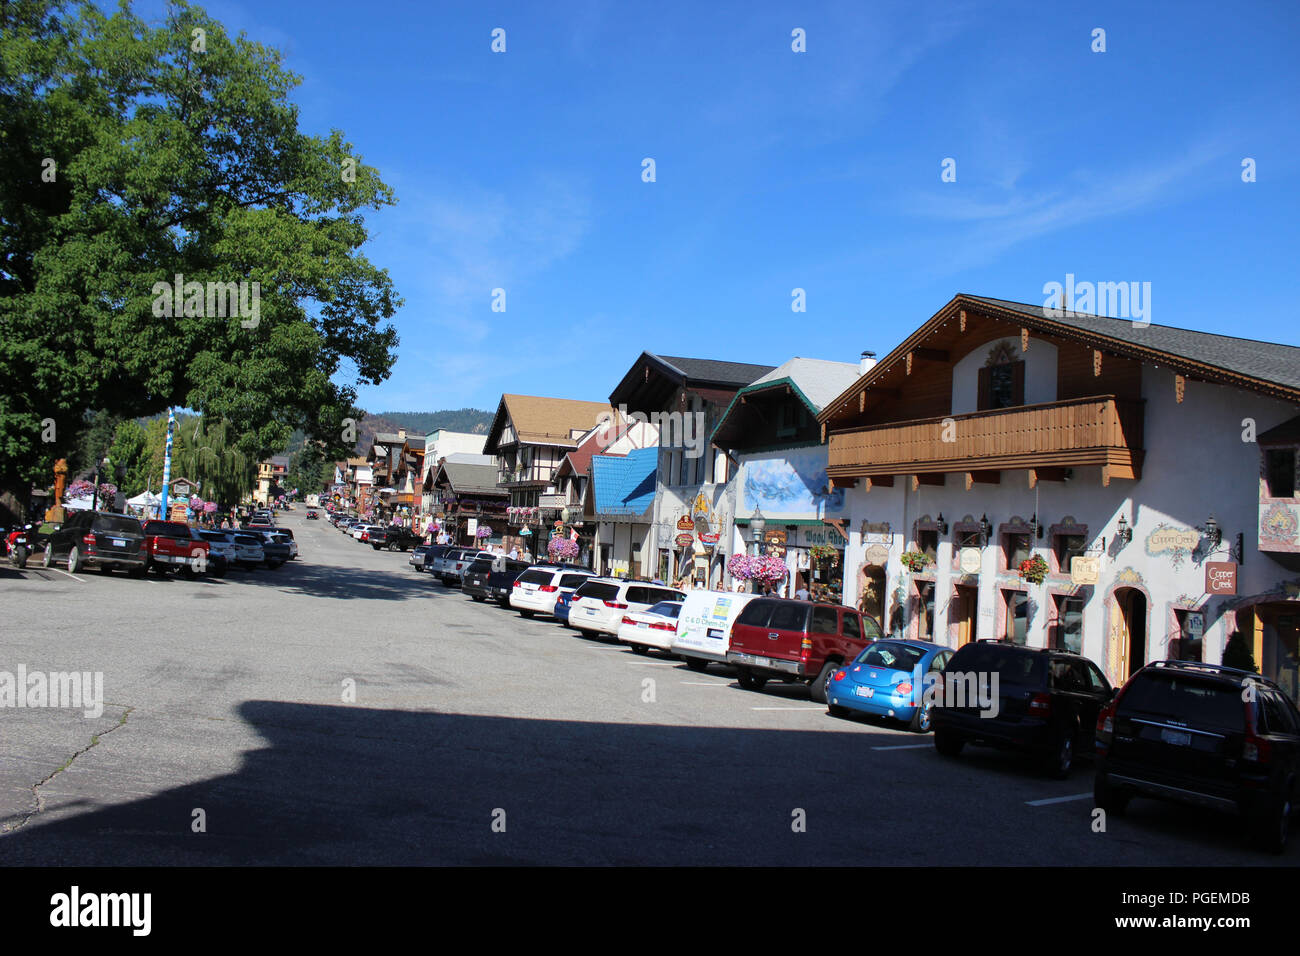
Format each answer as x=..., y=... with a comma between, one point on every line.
x=544, y=421
x=470, y=478
x=625, y=484
x=652, y=379
x=1265, y=367
x=814, y=382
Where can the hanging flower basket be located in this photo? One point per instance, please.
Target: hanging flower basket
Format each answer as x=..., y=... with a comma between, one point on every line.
x=483, y=532
x=824, y=552
x=740, y=567
x=769, y=569
x=562, y=548
x=1034, y=569
x=916, y=560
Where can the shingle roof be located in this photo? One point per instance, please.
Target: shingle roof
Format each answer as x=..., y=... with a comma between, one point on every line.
x=714, y=371
x=548, y=421
x=1263, y=360
x=625, y=484
x=469, y=478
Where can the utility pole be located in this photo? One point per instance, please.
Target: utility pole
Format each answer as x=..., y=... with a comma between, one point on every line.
x=167, y=466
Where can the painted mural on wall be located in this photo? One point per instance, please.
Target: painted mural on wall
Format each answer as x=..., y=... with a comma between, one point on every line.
x=1279, y=527
x=791, y=484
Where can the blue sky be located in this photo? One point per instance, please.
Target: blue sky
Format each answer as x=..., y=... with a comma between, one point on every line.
x=776, y=170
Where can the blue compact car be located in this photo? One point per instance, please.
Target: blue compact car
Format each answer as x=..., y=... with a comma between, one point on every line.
x=887, y=680
x=562, y=605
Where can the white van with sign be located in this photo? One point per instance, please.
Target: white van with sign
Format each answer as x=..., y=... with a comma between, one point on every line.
x=704, y=626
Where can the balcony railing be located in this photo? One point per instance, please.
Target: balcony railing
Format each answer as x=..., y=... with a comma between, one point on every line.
x=1101, y=430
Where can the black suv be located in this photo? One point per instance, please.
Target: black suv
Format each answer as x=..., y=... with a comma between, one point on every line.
x=393, y=538
x=1202, y=734
x=482, y=582
x=1046, y=704
x=100, y=540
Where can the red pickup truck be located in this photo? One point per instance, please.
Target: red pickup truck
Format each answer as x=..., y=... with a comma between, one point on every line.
x=774, y=638
x=171, y=544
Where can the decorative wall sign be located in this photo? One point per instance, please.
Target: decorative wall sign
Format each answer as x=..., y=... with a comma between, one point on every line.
x=1220, y=577
x=1085, y=569
x=1279, y=524
x=971, y=560
x=877, y=554
x=775, y=537
x=1178, y=543
x=875, y=528
x=684, y=540
x=709, y=539
x=685, y=523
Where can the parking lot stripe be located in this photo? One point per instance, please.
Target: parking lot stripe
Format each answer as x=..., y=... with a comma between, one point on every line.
x=707, y=683
x=905, y=747
x=651, y=663
x=788, y=708
x=1049, y=800
x=65, y=574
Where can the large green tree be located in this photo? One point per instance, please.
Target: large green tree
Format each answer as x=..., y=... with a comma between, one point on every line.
x=132, y=153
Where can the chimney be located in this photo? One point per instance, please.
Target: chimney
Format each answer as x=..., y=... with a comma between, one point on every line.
x=866, y=363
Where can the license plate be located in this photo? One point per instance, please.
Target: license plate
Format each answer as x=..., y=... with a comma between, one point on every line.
x=590, y=610
x=1176, y=737
x=119, y=542
x=642, y=624
x=864, y=691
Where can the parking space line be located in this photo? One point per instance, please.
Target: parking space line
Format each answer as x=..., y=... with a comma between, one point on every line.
x=651, y=663
x=788, y=708
x=1050, y=800
x=905, y=747
x=707, y=683
x=65, y=574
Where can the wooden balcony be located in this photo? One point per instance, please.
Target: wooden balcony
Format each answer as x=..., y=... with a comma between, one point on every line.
x=1100, y=431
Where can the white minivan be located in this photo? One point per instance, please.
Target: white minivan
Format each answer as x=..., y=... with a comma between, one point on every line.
x=601, y=603
x=704, y=626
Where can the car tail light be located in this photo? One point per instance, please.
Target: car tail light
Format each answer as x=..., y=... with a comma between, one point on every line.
x=516, y=585
x=548, y=588
x=904, y=689
x=89, y=540
x=628, y=620
x=840, y=675
x=1040, y=705
x=616, y=606
x=663, y=626
x=805, y=648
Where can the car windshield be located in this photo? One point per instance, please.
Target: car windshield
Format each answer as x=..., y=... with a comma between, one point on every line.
x=892, y=656
x=666, y=609
x=117, y=524
x=598, y=590
x=248, y=540
x=536, y=576
x=214, y=536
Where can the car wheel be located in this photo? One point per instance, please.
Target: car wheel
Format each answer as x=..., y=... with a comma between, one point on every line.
x=392, y=546
x=74, y=561
x=640, y=649
x=818, y=689
x=948, y=743
x=48, y=558
x=1272, y=822
x=920, y=723
x=1113, y=800
x=697, y=665
x=478, y=597
x=1061, y=758
x=750, y=681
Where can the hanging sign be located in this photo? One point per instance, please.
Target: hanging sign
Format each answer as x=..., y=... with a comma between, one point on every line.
x=685, y=523
x=1220, y=577
x=877, y=554
x=971, y=560
x=684, y=540
x=709, y=539
x=1085, y=569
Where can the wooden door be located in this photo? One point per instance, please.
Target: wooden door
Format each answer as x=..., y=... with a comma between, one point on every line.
x=964, y=606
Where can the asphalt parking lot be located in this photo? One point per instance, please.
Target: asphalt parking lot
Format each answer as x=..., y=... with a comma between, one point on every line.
x=346, y=709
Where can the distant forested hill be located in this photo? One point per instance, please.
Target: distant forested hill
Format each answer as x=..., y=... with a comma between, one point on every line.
x=472, y=420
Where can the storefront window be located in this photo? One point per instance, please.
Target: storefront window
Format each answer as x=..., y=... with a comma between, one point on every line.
x=1187, y=645
x=826, y=577
x=928, y=543
x=925, y=610
x=1016, y=549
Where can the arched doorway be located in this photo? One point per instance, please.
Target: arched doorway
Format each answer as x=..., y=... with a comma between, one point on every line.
x=871, y=595
x=1127, y=645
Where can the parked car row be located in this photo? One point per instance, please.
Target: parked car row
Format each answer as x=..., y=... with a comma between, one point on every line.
x=1178, y=731
x=114, y=542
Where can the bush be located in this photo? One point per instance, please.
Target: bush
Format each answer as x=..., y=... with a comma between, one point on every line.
x=1239, y=654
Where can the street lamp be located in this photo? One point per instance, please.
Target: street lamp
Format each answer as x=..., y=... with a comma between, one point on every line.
x=94, y=495
x=757, y=523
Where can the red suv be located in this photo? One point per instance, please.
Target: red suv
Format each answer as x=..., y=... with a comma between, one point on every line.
x=775, y=638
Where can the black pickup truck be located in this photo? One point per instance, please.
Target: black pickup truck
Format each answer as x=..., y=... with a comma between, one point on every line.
x=481, y=582
x=393, y=539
